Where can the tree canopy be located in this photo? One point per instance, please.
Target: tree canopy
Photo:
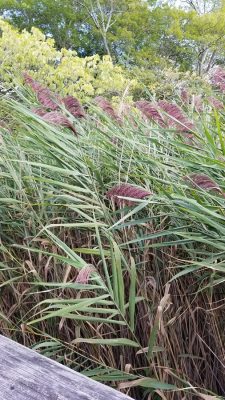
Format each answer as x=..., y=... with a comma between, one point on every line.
x=133, y=32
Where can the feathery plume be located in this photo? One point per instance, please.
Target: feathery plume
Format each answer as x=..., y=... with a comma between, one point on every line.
x=56, y=118
x=74, y=106
x=215, y=103
x=84, y=274
x=126, y=190
x=31, y=82
x=39, y=111
x=150, y=110
x=204, y=182
x=218, y=78
x=178, y=121
x=106, y=106
x=185, y=96
x=47, y=99
x=44, y=95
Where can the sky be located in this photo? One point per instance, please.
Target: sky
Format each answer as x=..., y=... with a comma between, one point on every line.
x=201, y=5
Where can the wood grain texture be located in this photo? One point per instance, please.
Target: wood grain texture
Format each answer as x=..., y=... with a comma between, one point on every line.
x=26, y=375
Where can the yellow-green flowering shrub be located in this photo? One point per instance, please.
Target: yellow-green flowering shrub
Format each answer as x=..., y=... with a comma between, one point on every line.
x=170, y=81
x=63, y=71
x=167, y=82
x=24, y=51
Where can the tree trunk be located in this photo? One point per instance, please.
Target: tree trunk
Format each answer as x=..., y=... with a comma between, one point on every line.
x=209, y=66
x=201, y=60
x=104, y=37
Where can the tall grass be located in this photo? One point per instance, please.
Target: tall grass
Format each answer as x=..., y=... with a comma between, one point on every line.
x=130, y=292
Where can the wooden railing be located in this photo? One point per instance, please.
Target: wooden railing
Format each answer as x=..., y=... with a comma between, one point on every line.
x=26, y=375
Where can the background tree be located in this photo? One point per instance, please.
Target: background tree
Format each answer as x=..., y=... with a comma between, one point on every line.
x=135, y=33
x=202, y=6
x=102, y=15
x=54, y=18
x=128, y=30
x=88, y=26
x=203, y=35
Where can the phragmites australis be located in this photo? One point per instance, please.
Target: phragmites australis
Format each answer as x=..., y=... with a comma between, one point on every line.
x=185, y=96
x=196, y=100
x=215, y=103
x=204, y=182
x=31, y=82
x=106, y=106
x=73, y=106
x=150, y=111
x=122, y=193
x=218, y=78
x=44, y=95
x=56, y=118
x=84, y=274
x=39, y=111
x=175, y=117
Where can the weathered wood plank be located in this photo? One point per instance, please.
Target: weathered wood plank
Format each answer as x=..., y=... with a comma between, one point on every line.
x=26, y=375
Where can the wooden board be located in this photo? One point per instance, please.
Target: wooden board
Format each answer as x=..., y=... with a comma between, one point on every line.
x=26, y=375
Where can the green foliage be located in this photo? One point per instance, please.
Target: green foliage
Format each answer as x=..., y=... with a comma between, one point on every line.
x=90, y=27
x=55, y=18
x=132, y=45
x=126, y=295
x=203, y=35
x=66, y=73
x=62, y=71
x=130, y=295
x=132, y=32
x=168, y=82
